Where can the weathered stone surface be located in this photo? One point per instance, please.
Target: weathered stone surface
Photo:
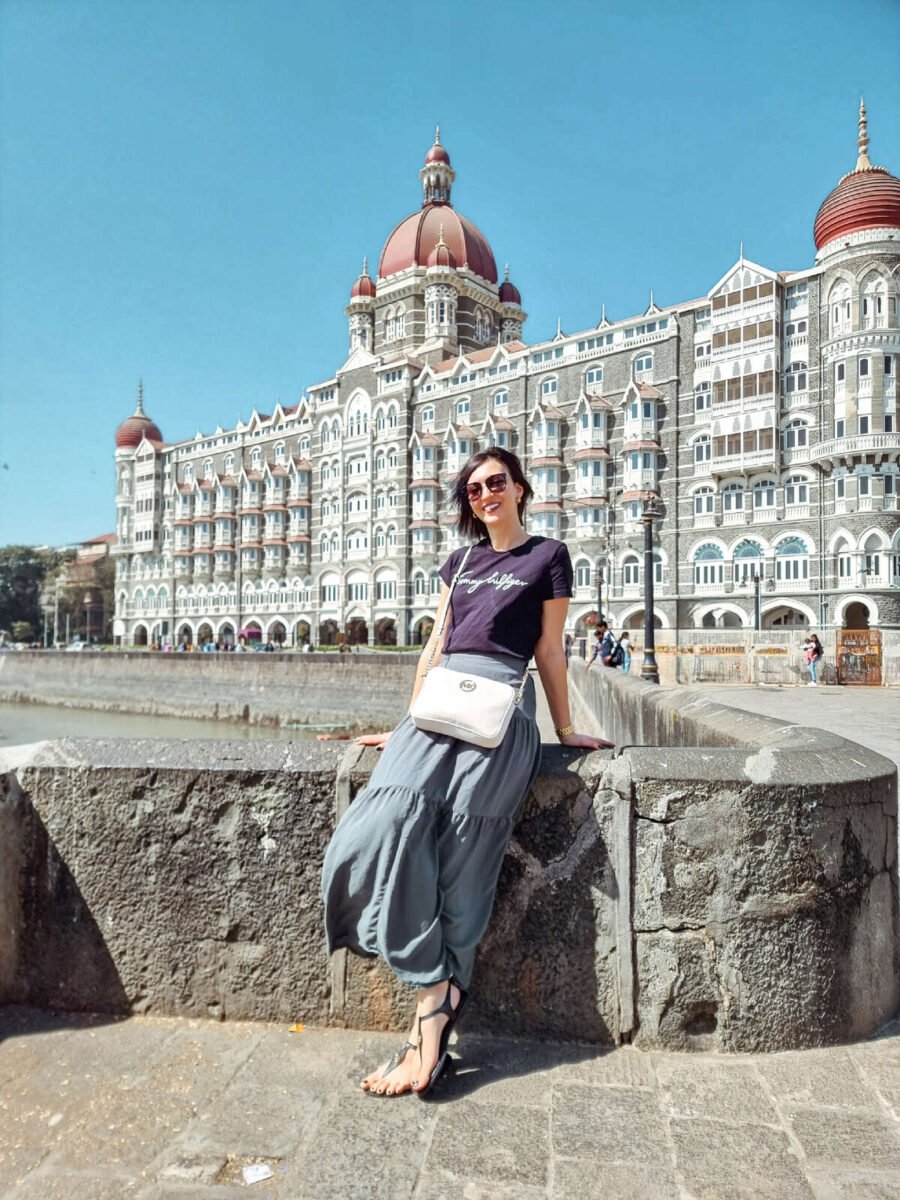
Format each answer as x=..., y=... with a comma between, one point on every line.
x=727, y=898
x=492, y=1142
x=616, y=1181
x=731, y=1162
x=724, y=1091
x=853, y=1138
x=608, y=1125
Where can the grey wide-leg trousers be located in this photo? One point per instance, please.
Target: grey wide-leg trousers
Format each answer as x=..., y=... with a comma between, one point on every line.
x=412, y=868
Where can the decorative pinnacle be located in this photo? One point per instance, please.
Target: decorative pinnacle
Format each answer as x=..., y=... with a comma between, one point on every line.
x=506, y=274
x=862, y=162
x=139, y=411
x=365, y=269
x=437, y=135
x=440, y=240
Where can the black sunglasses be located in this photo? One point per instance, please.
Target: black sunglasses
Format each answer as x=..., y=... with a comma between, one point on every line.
x=493, y=483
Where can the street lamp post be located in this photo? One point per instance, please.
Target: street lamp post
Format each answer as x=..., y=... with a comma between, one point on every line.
x=649, y=668
x=757, y=610
x=599, y=591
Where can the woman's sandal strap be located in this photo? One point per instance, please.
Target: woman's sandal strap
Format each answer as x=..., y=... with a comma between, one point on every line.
x=398, y=1058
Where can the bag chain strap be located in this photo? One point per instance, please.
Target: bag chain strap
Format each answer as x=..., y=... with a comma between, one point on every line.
x=462, y=566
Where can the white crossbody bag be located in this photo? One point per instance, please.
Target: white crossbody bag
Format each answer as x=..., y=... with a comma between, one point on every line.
x=468, y=707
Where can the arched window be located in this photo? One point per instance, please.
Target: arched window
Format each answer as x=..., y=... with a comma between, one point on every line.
x=733, y=497
x=463, y=408
x=795, y=378
x=763, y=494
x=704, y=501
x=549, y=387
x=709, y=565
x=748, y=561
x=839, y=306
x=796, y=490
x=229, y=464
x=500, y=399
x=208, y=469
x=420, y=585
x=279, y=452
x=392, y=417
x=593, y=377
x=791, y=560
x=582, y=573
x=256, y=457
x=631, y=571
x=400, y=322
x=390, y=326
x=703, y=449
x=188, y=471
x=643, y=366
x=426, y=417
x=795, y=435
x=872, y=300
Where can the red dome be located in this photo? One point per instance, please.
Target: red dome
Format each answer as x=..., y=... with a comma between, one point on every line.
x=364, y=287
x=437, y=153
x=509, y=293
x=413, y=240
x=864, y=199
x=132, y=431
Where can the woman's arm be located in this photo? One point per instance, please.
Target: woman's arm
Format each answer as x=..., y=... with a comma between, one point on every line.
x=379, y=739
x=551, y=663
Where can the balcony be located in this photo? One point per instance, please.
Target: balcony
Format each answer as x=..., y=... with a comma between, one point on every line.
x=593, y=488
x=797, y=454
x=736, y=516
x=590, y=441
x=742, y=404
x=751, y=461
x=847, y=447
x=642, y=430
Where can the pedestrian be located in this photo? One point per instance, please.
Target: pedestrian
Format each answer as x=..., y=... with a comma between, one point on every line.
x=604, y=645
x=567, y=646
x=412, y=868
x=625, y=643
x=812, y=653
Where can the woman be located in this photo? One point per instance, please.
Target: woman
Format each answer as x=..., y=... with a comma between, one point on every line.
x=813, y=651
x=411, y=871
x=625, y=643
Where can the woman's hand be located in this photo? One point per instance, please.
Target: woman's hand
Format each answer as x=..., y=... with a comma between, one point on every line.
x=584, y=741
x=378, y=740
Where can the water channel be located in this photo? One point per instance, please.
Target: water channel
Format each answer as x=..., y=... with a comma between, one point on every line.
x=23, y=723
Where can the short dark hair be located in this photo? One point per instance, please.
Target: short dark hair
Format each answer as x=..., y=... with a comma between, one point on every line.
x=466, y=521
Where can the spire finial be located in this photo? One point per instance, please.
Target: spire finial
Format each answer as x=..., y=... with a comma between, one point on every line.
x=437, y=135
x=140, y=404
x=559, y=327
x=440, y=240
x=862, y=162
x=365, y=269
x=651, y=297
x=741, y=253
x=506, y=273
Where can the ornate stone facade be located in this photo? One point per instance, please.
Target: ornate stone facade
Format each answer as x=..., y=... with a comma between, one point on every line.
x=763, y=417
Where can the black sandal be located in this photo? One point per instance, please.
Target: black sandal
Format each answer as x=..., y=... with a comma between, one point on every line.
x=392, y=1066
x=452, y=1014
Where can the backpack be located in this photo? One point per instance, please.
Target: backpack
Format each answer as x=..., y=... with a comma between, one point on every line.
x=618, y=655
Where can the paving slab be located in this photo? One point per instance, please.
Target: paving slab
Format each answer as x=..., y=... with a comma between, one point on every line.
x=164, y=1109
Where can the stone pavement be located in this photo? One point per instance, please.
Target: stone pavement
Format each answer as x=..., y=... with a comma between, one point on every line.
x=148, y=1108
x=867, y=715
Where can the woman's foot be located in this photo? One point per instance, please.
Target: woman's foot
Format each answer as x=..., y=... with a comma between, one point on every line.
x=411, y=1067
x=395, y=1077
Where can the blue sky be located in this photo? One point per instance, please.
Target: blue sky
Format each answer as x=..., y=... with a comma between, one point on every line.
x=189, y=186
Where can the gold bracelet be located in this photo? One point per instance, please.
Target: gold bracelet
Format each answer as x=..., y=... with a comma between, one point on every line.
x=565, y=731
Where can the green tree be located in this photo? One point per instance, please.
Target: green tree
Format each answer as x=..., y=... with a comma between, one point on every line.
x=22, y=571
x=22, y=631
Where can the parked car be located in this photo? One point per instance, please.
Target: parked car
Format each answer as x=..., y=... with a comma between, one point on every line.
x=78, y=646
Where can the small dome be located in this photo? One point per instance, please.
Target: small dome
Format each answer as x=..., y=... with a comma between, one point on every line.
x=867, y=198
x=442, y=255
x=864, y=199
x=437, y=153
x=135, y=428
x=364, y=288
x=509, y=293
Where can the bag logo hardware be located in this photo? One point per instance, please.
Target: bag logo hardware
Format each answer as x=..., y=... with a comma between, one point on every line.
x=467, y=685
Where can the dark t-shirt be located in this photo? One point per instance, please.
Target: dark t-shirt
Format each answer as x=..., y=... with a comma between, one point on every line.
x=497, y=603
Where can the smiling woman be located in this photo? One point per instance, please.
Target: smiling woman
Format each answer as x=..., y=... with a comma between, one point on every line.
x=411, y=871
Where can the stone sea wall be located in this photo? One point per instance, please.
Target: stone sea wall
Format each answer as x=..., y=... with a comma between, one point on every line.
x=714, y=883
x=352, y=690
